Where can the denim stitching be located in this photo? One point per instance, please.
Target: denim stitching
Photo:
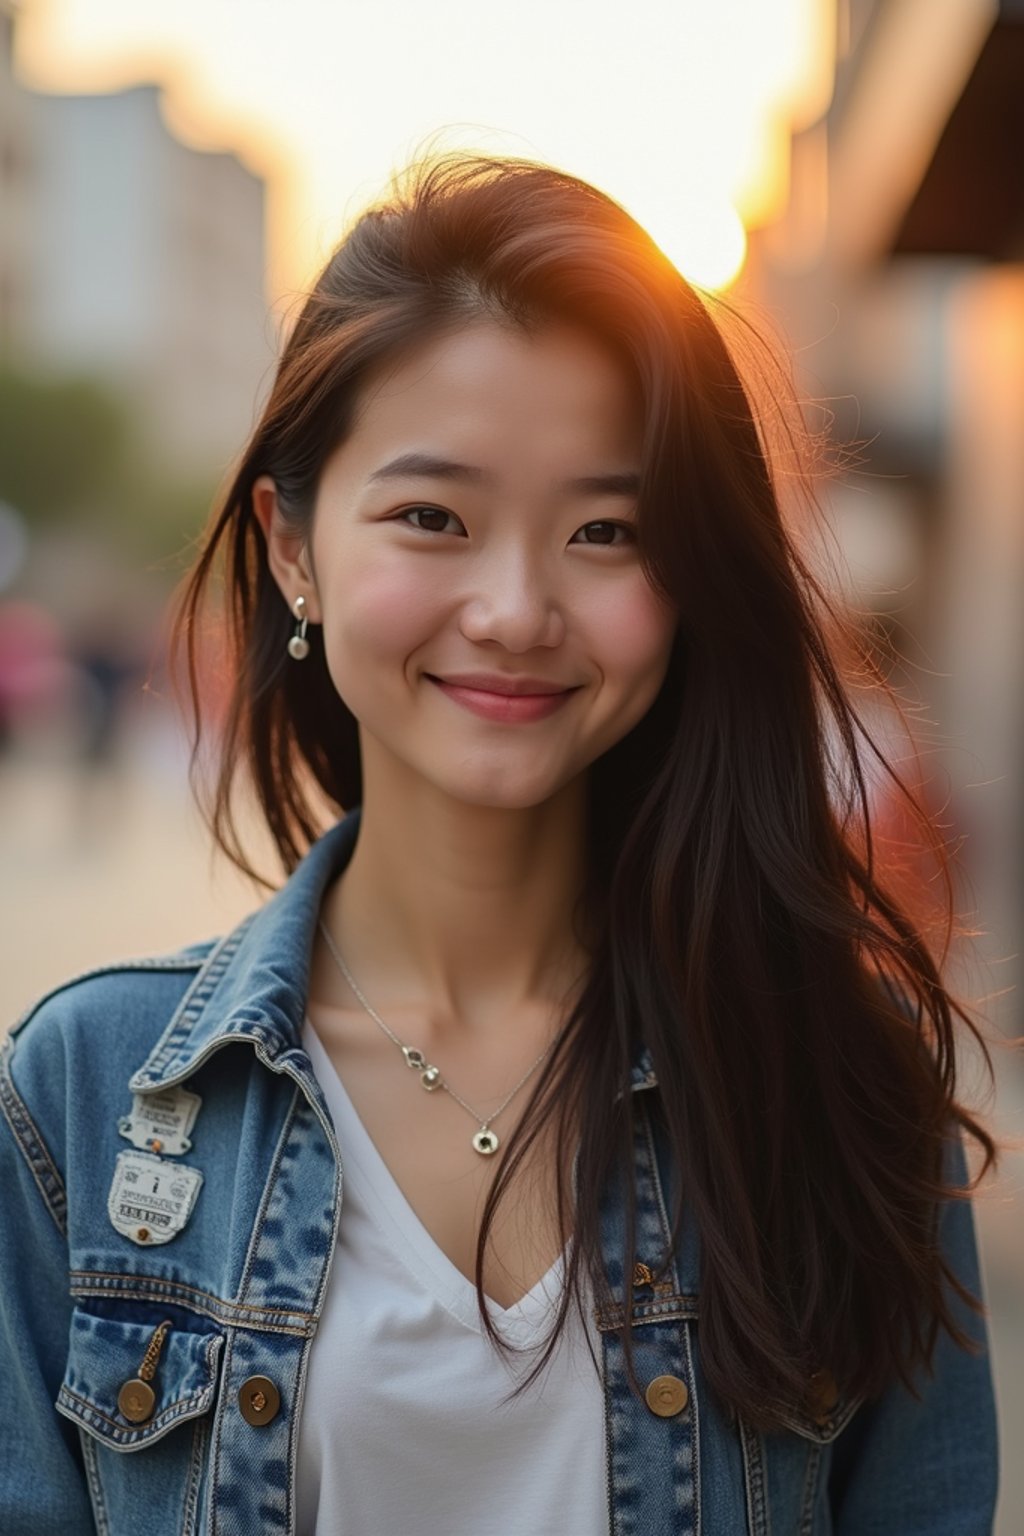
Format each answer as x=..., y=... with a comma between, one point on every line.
x=669, y=1307
x=614, y=1522
x=655, y=1178
x=70, y=1399
x=195, y=1474
x=218, y=1434
x=33, y=1148
x=609, y=1316
x=144, y=963
x=695, y=1406
x=234, y=1310
x=303, y=1364
x=191, y=1007
x=753, y=1476
x=178, y=1285
x=186, y=1066
x=634, y=1504
x=90, y=1450
x=293, y=1438
x=235, y=1318
x=810, y=1491
x=816, y=1433
x=268, y=1190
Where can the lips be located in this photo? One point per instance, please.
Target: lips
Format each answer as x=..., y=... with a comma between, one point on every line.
x=495, y=703
x=511, y=686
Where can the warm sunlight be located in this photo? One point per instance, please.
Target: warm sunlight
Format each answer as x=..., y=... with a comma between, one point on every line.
x=682, y=110
x=706, y=240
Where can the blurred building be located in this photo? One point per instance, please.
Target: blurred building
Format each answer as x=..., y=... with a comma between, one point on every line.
x=132, y=257
x=898, y=272
x=15, y=174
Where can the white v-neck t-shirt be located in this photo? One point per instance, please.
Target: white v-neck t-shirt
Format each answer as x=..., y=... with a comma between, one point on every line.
x=402, y=1430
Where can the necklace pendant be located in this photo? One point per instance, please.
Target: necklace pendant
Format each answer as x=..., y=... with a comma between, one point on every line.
x=430, y=1077
x=485, y=1141
x=413, y=1057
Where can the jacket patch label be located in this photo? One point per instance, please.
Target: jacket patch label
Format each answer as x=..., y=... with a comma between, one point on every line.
x=161, y=1121
x=151, y=1199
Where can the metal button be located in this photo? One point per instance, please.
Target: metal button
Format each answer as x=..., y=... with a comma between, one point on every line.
x=258, y=1399
x=135, y=1400
x=666, y=1396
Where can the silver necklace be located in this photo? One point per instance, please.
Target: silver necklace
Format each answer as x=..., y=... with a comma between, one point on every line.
x=485, y=1141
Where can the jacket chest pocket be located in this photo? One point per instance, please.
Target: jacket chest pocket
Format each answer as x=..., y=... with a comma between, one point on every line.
x=142, y=1395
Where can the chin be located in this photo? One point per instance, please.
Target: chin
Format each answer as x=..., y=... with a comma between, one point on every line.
x=501, y=796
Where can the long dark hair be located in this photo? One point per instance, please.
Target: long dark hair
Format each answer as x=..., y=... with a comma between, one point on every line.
x=802, y=1037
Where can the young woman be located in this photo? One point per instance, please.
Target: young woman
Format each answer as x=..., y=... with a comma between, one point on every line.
x=571, y=1144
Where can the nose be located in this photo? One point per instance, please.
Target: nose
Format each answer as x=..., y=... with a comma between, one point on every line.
x=512, y=602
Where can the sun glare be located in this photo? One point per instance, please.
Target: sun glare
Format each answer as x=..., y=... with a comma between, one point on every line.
x=683, y=111
x=705, y=241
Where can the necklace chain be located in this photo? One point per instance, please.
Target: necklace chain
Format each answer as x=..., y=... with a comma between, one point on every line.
x=485, y=1141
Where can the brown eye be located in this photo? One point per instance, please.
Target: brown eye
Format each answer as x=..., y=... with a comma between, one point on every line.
x=434, y=512
x=607, y=531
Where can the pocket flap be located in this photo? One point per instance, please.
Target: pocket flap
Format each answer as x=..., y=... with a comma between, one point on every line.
x=106, y=1352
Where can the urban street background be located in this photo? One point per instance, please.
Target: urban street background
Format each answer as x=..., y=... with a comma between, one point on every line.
x=846, y=173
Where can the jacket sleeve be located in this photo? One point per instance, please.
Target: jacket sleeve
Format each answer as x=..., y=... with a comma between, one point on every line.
x=928, y=1468
x=43, y=1490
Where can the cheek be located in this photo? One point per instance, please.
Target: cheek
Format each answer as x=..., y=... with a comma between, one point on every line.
x=385, y=611
x=634, y=631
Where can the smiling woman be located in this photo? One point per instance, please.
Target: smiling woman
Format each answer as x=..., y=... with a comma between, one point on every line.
x=545, y=713
x=522, y=599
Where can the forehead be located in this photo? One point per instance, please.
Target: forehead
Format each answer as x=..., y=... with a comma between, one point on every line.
x=487, y=389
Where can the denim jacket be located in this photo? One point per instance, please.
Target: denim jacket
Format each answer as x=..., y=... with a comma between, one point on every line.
x=128, y=1206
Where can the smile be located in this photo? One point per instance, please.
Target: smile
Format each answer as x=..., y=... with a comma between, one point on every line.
x=507, y=708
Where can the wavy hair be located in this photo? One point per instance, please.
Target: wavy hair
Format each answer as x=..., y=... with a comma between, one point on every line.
x=802, y=1036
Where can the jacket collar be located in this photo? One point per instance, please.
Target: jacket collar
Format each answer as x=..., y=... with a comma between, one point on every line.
x=254, y=982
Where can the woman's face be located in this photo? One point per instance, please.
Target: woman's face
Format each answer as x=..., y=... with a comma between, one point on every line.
x=510, y=558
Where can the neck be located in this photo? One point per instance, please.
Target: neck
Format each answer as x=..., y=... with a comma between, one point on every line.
x=459, y=913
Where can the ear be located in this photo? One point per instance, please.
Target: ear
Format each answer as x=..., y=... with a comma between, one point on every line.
x=287, y=555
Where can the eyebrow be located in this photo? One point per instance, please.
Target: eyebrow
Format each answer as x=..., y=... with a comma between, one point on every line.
x=430, y=466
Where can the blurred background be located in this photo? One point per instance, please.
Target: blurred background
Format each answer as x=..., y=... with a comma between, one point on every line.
x=848, y=172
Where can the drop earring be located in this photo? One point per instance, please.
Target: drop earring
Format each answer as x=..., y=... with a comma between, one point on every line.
x=298, y=645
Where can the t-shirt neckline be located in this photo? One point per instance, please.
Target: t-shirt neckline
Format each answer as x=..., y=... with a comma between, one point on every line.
x=382, y=1196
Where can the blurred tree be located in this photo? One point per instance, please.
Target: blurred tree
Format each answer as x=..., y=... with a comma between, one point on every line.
x=72, y=453
x=61, y=441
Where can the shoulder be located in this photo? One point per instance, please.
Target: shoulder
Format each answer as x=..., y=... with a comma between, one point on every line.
x=118, y=981
x=111, y=1015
